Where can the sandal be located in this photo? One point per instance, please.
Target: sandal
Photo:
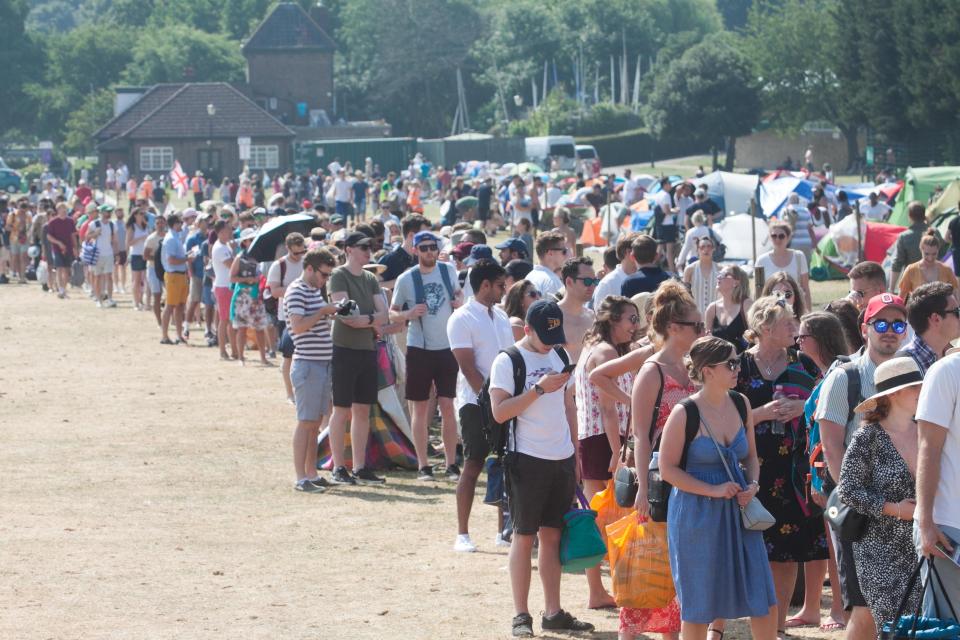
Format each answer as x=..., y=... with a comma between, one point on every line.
x=832, y=625
x=716, y=631
x=523, y=625
x=796, y=622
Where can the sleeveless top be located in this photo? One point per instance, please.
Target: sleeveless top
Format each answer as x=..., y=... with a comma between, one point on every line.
x=588, y=396
x=673, y=393
x=732, y=332
x=704, y=289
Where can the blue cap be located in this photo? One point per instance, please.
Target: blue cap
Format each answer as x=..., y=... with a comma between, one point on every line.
x=514, y=244
x=480, y=252
x=424, y=235
x=546, y=319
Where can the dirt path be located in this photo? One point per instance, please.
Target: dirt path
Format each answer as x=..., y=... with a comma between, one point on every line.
x=147, y=493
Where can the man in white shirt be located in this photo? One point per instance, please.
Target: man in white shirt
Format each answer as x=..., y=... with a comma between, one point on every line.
x=221, y=257
x=937, y=524
x=611, y=283
x=334, y=167
x=632, y=191
x=551, y=248
x=283, y=271
x=665, y=216
x=477, y=331
x=104, y=232
x=541, y=464
x=343, y=194
x=874, y=210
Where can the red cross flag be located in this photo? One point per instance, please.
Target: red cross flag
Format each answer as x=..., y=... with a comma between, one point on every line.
x=179, y=179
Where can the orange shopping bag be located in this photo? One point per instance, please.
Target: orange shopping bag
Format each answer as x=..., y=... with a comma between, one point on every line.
x=608, y=511
x=640, y=563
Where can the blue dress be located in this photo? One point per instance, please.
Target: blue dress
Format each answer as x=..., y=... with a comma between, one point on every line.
x=719, y=568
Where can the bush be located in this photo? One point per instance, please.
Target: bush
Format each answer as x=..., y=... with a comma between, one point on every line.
x=638, y=145
x=559, y=115
x=607, y=118
x=32, y=172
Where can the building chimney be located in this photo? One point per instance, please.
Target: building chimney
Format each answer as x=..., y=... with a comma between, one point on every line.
x=321, y=15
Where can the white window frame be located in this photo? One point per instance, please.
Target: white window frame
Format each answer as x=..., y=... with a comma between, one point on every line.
x=156, y=158
x=264, y=156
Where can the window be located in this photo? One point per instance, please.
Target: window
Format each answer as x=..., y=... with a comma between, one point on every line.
x=264, y=156
x=156, y=158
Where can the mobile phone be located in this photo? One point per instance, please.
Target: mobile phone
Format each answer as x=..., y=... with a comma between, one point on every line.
x=953, y=556
x=569, y=368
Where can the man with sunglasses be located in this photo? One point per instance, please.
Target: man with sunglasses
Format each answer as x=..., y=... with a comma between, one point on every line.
x=551, y=251
x=579, y=283
x=884, y=328
x=935, y=317
x=308, y=314
x=424, y=298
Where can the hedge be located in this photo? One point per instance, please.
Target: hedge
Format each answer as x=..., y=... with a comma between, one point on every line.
x=638, y=145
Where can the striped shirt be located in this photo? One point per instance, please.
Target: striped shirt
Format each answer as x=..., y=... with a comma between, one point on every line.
x=300, y=299
x=833, y=406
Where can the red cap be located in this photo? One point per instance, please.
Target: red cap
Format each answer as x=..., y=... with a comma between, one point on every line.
x=880, y=302
x=306, y=204
x=462, y=250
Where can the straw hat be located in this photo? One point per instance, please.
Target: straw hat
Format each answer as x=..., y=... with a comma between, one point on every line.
x=892, y=376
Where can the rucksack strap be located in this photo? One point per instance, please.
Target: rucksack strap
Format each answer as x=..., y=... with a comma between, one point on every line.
x=519, y=382
x=283, y=269
x=692, y=428
x=419, y=294
x=445, y=276
x=740, y=404
x=656, y=408
x=854, y=387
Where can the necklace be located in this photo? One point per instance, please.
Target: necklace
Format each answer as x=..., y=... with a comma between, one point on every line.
x=767, y=368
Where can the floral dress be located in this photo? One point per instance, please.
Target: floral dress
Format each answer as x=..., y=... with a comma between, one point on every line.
x=799, y=534
x=665, y=619
x=246, y=309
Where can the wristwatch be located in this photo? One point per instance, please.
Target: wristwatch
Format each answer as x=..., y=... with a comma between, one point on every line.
x=540, y=391
x=370, y=318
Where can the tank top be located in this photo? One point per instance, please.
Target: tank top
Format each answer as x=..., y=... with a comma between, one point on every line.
x=589, y=422
x=732, y=332
x=139, y=239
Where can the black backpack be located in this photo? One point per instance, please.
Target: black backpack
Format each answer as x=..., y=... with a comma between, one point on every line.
x=158, y=262
x=497, y=433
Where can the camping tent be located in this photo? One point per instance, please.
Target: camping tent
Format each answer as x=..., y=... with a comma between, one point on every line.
x=838, y=249
x=949, y=200
x=736, y=233
x=731, y=191
x=919, y=184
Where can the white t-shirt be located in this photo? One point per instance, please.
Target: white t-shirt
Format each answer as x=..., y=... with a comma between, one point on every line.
x=105, y=239
x=487, y=332
x=343, y=190
x=334, y=167
x=546, y=281
x=683, y=203
x=610, y=285
x=631, y=191
x=293, y=271
x=221, y=272
x=796, y=268
x=874, y=212
x=542, y=430
x=665, y=202
x=939, y=404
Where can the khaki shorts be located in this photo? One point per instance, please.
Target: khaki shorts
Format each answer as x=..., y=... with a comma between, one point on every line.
x=196, y=289
x=176, y=285
x=104, y=266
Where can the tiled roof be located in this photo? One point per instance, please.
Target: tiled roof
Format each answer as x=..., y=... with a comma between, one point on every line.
x=288, y=27
x=153, y=98
x=184, y=115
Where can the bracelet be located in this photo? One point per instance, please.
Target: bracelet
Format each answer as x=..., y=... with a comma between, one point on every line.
x=898, y=512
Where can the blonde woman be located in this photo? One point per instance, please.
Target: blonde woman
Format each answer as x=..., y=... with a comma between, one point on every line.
x=727, y=316
x=783, y=258
x=928, y=269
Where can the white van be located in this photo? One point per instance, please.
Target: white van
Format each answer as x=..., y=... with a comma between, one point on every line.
x=589, y=159
x=541, y=149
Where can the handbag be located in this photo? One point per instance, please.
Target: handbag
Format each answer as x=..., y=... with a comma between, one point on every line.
x=754, y=515
x=581, y=546
x=625, y=481
x=916, y=626
x=89, y=253
x=850, y=525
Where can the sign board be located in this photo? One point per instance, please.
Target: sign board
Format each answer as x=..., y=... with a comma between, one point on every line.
x=319, y=152
x=244, y=143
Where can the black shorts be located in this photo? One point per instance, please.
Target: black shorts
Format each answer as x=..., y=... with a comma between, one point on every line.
x=121, y=258
x=427, y=368
x=354, y=376
x=540, y=491
x=475, y=445
x=847, y=570
x=666, y=233
x=286, y=343
x=137, y=263
x=62, y=261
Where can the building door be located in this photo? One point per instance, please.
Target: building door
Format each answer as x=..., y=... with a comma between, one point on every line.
x=210, y=162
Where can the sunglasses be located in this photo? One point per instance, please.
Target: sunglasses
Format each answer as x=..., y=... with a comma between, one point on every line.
x=363, y=247
x=634, y=319
x=803, y=336
x=325, y=274
x=589, y=282
x=882, y=326
x=533, y=293
x=733, y=364
x=428, y=247
x=298, y=253
x=698, y=326
x=562, y=250
x=778, y=236
x=785, y=294
x=955, y=312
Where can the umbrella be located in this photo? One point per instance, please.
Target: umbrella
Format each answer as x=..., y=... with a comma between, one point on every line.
x=274, y=232
x=526, y=167
x=466, y=203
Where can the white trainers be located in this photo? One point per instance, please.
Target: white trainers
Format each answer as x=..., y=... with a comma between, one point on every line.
x=500, y=542
x=464, y=544
x=110, y=303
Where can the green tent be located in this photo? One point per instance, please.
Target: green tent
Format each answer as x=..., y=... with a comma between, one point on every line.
x=918, y=184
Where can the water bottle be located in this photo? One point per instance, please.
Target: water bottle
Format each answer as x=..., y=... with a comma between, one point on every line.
x=779, y=428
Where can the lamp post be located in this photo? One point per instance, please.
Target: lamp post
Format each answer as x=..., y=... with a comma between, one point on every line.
x=211, y=111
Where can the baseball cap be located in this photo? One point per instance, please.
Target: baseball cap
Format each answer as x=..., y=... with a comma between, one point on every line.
x=546, y=319
x=357, y=239
x=306, y=204
x=479, y=252
x=880, y=302
x=462, y=250
x=518, y=269
x=105, y=208
x=514, y=244
x=189, y=213
x=424, y=235
x=336, y=219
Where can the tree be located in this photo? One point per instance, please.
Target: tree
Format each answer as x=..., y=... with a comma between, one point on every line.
x=708, y=94
x=800, y=77
x=178, y=53
x=19, y=56
x=95, y=110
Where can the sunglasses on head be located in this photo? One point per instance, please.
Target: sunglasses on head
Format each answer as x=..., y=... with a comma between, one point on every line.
x=589, y=282
x=882, y=326
x=733, y=364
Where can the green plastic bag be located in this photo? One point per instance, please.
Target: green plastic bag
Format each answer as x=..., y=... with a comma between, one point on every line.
x=581, y=545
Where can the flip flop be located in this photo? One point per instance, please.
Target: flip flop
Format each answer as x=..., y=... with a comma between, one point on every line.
x=606, y=607
x=794, y=623
x=833, y=625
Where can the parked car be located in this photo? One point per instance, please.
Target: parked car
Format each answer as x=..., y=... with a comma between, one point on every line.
x=541, y=149
x=588, y=160
x=10, y=181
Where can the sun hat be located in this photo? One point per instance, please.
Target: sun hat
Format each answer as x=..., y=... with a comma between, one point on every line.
x=889, y=377
x=546, y=319
x=248, y=234
x=375, y=268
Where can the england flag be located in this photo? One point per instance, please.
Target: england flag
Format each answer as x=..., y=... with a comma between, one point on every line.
x=179, y=179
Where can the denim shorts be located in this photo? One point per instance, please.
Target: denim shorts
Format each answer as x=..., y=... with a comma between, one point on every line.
x=312, y=387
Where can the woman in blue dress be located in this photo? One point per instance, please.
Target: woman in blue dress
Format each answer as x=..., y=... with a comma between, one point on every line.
x=719, y=568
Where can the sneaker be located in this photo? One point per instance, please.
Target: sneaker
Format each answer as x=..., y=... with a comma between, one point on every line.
x=464, y=544
x=342, y=476
x=453, y=472
x=99, y=305
x=320, y=482
x=308, y=487
x=564, y=621
x=110, y=303
x=61, y=295
x=523, y=625
x=366, y=476
x=500, y=541
x=426, y=474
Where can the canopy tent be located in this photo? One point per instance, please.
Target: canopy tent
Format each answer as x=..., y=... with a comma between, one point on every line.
x=731, y=191
x=919, y=184
x=837, y=250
